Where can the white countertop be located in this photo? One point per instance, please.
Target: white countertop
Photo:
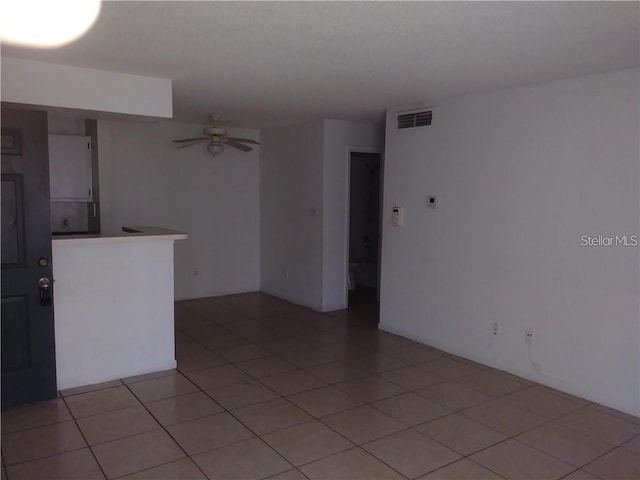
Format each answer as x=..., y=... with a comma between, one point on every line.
x=132, y=233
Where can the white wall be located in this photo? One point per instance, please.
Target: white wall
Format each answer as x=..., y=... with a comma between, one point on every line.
x=144, y=180
x=290, y=195
x=99, y=338
x=340, y=138
x=521, y=175
x=304, y=199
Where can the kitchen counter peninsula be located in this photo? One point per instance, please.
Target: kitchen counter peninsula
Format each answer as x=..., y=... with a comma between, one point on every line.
x=113, y=304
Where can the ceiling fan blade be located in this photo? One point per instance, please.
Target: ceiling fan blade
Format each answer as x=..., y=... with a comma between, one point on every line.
x=182, y=140
x=190, y=144
x=244, y=140
x=237, y=145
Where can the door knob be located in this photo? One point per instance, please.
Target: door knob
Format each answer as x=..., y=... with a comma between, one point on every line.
x=44, y=284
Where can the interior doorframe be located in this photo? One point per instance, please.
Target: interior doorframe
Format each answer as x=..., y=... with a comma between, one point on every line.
x=347, y=217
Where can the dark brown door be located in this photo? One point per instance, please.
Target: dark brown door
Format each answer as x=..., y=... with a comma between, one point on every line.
x=28, y=340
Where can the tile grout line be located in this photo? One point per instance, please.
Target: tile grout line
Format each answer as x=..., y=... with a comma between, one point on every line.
x=162, y=427
x=75, y=420
x=547, y=422
x=225, y=410
x=72, y=419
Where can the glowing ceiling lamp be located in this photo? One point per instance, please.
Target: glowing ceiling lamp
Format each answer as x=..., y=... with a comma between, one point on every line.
x=46, y=23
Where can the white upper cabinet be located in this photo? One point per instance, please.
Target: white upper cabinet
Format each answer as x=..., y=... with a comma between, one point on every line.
x=70, y=168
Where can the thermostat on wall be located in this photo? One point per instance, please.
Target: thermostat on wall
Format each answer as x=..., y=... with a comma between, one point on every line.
x=432, y=201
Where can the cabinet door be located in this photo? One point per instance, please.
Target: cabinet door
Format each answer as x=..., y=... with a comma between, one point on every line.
x=70, y=168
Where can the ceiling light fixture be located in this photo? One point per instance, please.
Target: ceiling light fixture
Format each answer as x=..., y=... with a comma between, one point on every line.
x=215, y=148
x=46, y=23
x=217, y=139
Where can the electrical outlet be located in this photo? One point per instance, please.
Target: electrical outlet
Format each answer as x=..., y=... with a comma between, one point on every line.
x=495, y=328
x=529, y=335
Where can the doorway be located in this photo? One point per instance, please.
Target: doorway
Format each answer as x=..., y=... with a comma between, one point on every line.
x=365, y=176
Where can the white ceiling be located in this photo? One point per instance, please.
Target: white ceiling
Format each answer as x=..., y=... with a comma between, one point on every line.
x=259, y=64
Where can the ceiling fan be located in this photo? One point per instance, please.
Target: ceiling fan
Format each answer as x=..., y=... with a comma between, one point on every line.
x=217, y=138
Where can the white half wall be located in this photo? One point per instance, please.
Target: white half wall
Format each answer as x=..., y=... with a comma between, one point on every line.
x=291, y=213
x=521, y=175
x=113, y=308
x=340, y=139
x=46, y=84
x=145, y=180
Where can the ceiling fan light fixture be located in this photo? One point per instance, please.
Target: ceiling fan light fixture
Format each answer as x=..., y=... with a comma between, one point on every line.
x=217, y=139
x=215, y=148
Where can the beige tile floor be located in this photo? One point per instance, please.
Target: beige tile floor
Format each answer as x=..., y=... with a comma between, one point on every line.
x=268, y=389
